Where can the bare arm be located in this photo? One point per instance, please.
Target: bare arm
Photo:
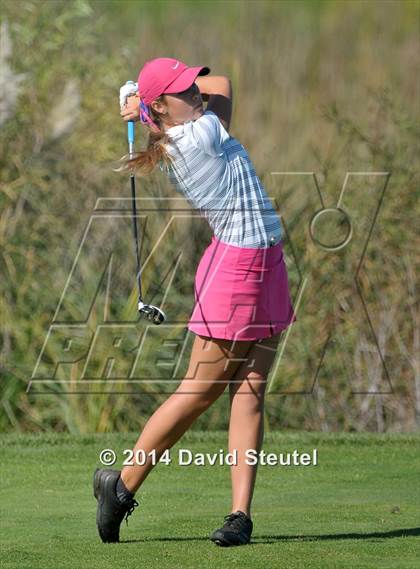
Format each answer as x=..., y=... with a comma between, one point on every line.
x=217, y=90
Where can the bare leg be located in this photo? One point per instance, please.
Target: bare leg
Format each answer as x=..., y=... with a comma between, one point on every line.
x=212, y=364
x=246, y=427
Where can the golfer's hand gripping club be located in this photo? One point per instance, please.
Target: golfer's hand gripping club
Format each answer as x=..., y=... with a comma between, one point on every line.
x=152, y=313
x=127, y=90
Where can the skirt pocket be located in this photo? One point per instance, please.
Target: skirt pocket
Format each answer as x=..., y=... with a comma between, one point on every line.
x=260, y=260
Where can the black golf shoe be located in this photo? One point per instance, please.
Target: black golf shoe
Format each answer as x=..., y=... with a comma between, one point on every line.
x=111, y=511
x=236, y=530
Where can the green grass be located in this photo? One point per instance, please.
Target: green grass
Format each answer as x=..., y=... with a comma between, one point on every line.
x=359, y=508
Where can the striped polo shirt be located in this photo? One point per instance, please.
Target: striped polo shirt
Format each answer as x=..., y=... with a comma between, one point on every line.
x=213, y=171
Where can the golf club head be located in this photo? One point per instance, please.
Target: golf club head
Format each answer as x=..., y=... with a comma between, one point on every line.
x=153, y=313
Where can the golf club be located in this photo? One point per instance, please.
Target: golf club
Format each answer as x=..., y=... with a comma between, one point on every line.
x=153, y=313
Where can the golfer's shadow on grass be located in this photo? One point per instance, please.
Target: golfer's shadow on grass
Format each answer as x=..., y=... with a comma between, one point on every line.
x=257, y=540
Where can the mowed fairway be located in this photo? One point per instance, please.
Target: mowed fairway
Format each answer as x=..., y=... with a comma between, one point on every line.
x=358, y=508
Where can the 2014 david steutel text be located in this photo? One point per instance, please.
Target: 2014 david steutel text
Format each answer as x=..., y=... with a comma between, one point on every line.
x=185, y=457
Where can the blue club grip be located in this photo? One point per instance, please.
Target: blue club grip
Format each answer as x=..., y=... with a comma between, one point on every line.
x=130, y=132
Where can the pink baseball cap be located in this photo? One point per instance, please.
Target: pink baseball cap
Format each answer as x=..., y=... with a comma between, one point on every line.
x=166, y=75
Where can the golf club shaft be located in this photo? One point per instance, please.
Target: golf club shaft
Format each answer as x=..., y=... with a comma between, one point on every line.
x=130, y=133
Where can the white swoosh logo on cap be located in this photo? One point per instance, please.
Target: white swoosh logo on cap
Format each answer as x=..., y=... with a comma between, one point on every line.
x=177, y=63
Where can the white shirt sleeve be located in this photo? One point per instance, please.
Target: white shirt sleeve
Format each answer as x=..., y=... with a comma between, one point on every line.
x=208, y=133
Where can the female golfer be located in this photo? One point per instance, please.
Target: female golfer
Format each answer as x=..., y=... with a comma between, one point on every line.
x=241, y=284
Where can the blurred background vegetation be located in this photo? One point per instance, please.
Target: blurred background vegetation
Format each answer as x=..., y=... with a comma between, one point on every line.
x=328, y=87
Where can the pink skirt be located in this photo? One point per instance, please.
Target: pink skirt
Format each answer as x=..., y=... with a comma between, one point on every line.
x=241, y=293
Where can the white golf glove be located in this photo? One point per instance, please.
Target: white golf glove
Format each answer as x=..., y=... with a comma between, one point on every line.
x=130, y=88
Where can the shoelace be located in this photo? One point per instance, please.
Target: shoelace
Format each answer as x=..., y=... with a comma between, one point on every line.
x=132, y=505
x=234, y=520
